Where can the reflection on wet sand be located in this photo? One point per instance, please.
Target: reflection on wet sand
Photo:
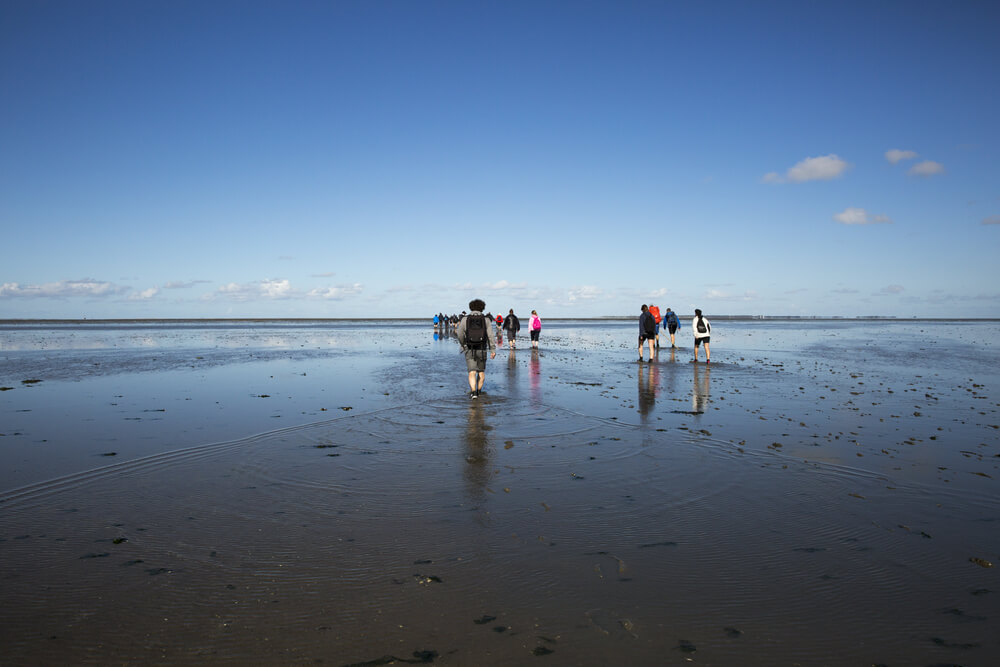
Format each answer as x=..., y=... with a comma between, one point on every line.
x=535, y=377
x=478, y=448
x=513, y=388
x=700, y=392
x=649, y=385
x=840, y=505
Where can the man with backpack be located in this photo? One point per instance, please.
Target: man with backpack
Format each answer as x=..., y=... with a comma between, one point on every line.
x=647, y=331
x=511, y=326
x=673, y=324
x=477, y=334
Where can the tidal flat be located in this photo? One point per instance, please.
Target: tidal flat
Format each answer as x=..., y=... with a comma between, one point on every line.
x=823, y=493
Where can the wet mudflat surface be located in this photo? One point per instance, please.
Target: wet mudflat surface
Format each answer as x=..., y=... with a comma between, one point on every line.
x=822, y=493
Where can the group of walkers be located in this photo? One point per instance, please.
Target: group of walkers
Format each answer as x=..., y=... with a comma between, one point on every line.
x=478, y=336
x=649, y=330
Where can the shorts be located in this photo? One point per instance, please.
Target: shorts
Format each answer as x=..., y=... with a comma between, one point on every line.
x=644, y=337
x=672, y=328
x=699, y=341
x=534, y=334
x=657, y=328
x=475, y=359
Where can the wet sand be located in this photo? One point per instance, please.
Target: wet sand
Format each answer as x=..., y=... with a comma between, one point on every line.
x=823, y=493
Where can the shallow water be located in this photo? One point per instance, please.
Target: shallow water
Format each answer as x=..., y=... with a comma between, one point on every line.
x=812, y=497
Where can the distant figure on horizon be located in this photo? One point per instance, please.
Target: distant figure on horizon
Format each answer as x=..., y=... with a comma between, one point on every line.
x=673, y=324
x=702, y=334
x=476, y=333
x=511, y=326
x=647, y=331
x=535, y=327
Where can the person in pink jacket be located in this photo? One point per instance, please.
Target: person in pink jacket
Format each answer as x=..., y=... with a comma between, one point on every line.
x=535, y=328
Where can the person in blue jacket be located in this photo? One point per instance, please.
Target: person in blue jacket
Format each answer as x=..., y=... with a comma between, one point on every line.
x=673, y=324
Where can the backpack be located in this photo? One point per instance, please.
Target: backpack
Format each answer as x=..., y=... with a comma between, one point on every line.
x=701, y=326
x=648, y=324
x=512, y=323
x=475, y=331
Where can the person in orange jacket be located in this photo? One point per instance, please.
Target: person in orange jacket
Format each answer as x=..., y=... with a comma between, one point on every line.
x=655, y=312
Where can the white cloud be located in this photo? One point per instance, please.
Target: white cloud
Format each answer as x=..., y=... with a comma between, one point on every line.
x=895, y=156
x=584, y=293
x=892, y=289
x=718, y=295
x=927, y=168
x=499, y=285
x=276, y=289
x=262, y=289
x=859, y=216
x=823, y=168
x=87, y=287
x=144, y=295
x=335, y=293
x=183, y=284
x=992, y=220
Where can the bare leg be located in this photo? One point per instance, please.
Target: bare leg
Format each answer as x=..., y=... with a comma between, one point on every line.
x=472, y=380
x=696, y=350
x=708, y=355
x=482, y=380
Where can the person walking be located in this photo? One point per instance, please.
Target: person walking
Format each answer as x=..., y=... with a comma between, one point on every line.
x=477, y=334
x=535, y=328
x=511, y=326
x=702, y=334
x=647, y=331
x=673, y=324
x=655, y=312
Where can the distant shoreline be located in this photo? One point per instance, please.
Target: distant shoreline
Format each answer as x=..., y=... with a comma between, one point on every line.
x=428, y=320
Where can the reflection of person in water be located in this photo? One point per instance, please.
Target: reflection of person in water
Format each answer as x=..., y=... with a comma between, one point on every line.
x=699, y=397
x=512, y=388
x=649, y=382
x=535, y=374
x=671, y=375
x=478, y=448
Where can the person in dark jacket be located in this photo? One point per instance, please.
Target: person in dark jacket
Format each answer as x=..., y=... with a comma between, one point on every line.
x=647, y=331
x=511, y=326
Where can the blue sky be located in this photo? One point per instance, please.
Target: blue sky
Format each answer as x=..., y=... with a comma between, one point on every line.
x=353, y=159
